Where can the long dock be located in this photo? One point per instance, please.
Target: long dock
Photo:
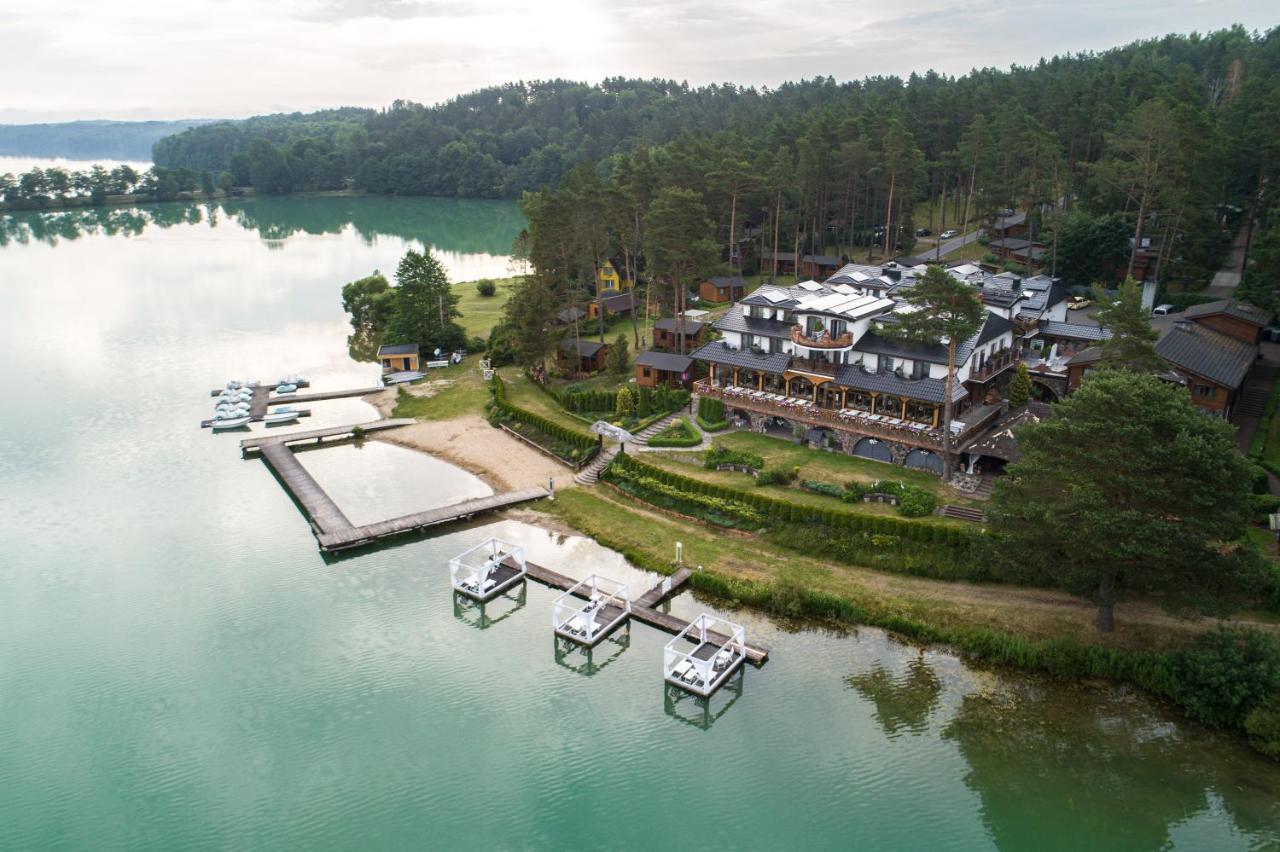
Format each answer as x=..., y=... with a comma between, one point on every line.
x=642, y=609
x=262, y=399
x=333, y=530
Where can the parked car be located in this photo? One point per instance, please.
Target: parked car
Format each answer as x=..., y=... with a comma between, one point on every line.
x=1078, y=303
x=948, y=234
x=1163, y=310
x=923, y=232
x=1271, y=334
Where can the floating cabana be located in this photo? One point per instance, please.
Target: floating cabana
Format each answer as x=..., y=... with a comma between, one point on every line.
x=487, y=570
x=703, y=655
x=590, y=610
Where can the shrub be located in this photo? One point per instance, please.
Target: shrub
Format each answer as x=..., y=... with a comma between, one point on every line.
x=625, y=403
x=711, y=414
x=1263, y=505
x=777, y=476
x=826, y=488
x=719, y=455
x=486, y=288
x=678, y=434
x=916, y=503
x=1228, y=674
x=1263, y=727
x=618, y=359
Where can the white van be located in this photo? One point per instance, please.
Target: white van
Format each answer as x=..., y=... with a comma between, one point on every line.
x=1162, y=310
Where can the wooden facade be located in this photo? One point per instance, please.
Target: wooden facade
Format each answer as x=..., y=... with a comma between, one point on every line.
x=722, y=289
x=398, y=357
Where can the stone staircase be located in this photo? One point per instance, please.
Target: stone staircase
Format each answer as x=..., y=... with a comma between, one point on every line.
x=1253, y=397
x=642, y=437
x=590, y=474
x=963, y=513
x=983, y=490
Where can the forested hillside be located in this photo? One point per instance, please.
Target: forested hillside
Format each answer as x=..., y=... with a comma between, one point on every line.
x=89, y=140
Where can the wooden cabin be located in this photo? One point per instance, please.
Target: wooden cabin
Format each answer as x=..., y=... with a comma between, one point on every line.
x=621, y=304
x=664, y=368
x=786, y=262
x=668, y=333
x=398, y=357
x=1005, y=227
x=820, y=267
x=590, y=355
x=611, y=279
x=721, y=289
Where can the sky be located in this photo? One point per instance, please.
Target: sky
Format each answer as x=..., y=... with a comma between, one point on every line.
x=139, y=59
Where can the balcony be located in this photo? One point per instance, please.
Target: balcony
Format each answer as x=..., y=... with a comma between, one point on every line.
x=846, y=419
x=822, y=341
x=995, y=365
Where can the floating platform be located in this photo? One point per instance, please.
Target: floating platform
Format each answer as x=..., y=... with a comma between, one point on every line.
x=333, y=530
x=697, y=661
x=264, y=397
x=487, y=570
x=605, y=606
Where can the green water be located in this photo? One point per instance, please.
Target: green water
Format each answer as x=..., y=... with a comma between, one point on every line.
x=179, y=668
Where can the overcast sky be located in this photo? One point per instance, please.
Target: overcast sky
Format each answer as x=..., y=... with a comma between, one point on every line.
x=131, y=59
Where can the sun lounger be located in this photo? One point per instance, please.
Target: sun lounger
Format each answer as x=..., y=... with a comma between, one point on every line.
x=681, y=669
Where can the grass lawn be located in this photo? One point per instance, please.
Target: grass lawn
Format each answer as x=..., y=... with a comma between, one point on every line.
x=480, y=313
x=649, y=538
x=522, y=393
x=465, y=394
x=837, y=468
x=690, y=464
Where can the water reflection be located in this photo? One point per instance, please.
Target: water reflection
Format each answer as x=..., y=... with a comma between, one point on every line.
x=901, y=703
x=449, y=224
x=582, y=660
x=487, y=614
x=1051, y=770
x=703, y=712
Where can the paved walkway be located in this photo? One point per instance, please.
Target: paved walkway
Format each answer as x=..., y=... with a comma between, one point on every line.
x=952, y=245
x=1226, y=279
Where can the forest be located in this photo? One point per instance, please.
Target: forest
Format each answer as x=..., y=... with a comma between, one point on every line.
x=1172, y=138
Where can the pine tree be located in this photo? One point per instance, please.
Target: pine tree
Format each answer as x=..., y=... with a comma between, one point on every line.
x=1019, y=387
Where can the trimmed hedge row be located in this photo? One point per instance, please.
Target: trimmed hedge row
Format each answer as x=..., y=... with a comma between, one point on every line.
x=719, y=455
x=579, y=441
x=678, y=434
x=785, y=512
x=711, y=414
x=1258, y=446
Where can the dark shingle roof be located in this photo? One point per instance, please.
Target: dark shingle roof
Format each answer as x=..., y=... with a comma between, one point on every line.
x=620, y=302
x=926, y=390
x=1009, y=221
x=1220, y=358
x=999, y=441
x=728, y=281
x=735, y=321
x=1010, y=243
x=824, y=260
x=687, y=326
x=1232, y=308
x=397, y=349
x=935, y=353
x=719, y=353
x=668, y=361
x=586, y=348
x=1073, y=330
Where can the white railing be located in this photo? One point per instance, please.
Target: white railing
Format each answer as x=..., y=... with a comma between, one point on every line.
x=703, y=674
x=471, y=572
x=580, y=612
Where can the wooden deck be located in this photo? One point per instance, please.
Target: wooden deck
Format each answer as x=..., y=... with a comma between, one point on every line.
x=258, y=442
x=642, y=609
x=331, y=527
x=263, y=399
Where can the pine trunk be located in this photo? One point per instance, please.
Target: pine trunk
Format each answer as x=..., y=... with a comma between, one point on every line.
x=888, y=213
x=947, y=410
x=1107, y=603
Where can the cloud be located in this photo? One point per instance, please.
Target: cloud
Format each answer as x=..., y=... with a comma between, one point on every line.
x=67, y=59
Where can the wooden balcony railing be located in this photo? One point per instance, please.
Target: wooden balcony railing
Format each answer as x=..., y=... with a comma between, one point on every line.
x=995, y=365
x=822, y=341
x=846, y=419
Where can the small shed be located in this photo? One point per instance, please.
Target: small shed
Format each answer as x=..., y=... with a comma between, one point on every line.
x=582, y=356
x=621, y=304
x=720, y=289
x=663, y=368
x=398, y=357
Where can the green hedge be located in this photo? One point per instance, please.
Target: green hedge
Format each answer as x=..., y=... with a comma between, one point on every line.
x=1258, y=446
x=580, y=444
x=678, y=434
x=786, y=512
x=711, y=414
x=718, y=455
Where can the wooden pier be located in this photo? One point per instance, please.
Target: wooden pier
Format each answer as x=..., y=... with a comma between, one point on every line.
x=642, y=609
x=262, y=399
x=333, y=530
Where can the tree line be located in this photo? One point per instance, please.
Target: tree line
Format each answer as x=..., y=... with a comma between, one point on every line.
x=53, y=186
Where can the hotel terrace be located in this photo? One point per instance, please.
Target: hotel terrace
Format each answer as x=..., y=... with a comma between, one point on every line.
x=823, y=357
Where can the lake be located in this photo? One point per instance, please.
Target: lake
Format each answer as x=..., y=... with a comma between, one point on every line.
x=180, y=668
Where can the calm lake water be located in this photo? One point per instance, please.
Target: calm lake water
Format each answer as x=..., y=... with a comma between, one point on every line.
x=179, y=667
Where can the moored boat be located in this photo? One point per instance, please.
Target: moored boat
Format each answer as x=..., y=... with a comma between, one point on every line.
x=222, y=423
x=281, y=415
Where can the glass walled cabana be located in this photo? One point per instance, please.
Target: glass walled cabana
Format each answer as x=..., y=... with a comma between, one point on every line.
x=703, y=655
x=590, y=610
x=487, y=570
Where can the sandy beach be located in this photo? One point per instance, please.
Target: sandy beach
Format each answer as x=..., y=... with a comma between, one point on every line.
x=491, y=454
